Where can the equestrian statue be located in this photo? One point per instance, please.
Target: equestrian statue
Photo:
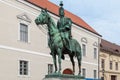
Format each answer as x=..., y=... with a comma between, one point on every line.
x=60, y=39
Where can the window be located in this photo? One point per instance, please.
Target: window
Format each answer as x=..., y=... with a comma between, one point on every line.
x=111, y=64
x=50, y=68
x=84, y=72
x=23, y=67
x=95, y=53
x=102, y=63
x=84, y=49
x=116, y=65
x=23, y=32
x=95, y=74
x=24, y=27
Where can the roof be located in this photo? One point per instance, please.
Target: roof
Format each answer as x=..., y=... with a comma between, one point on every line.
x=110, y=47
x=51, y=7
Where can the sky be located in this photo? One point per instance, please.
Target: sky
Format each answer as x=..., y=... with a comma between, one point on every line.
x=101, y=15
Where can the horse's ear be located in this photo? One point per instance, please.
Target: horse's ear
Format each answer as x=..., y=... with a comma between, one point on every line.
x=42, y=10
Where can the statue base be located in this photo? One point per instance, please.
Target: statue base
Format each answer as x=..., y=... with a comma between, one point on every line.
x=63, y=77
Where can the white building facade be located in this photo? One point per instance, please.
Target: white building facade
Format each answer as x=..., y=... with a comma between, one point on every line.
x=24, y=53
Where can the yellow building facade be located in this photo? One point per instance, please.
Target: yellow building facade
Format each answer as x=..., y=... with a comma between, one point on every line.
x=109, y=60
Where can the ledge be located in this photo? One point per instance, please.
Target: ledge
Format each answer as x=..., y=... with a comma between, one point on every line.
x=63, y=77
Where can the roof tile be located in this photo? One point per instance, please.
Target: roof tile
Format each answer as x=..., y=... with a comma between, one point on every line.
x=110, y=47
x=54, y=9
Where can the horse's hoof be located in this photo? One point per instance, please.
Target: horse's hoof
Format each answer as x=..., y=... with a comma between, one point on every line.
x=59, y=72
x=55, y=71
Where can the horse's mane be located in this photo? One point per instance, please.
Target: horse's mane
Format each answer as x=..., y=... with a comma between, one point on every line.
x=52, y=21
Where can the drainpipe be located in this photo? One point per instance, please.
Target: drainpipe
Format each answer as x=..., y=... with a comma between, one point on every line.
x=99, y=42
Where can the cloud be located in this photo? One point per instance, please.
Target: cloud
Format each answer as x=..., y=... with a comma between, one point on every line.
x=108, y=27
x=102, y=15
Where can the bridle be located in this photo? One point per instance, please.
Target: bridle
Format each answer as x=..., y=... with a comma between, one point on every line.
x=46, y=19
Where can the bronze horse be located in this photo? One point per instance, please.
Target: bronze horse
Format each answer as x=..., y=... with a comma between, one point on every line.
x=56, y=43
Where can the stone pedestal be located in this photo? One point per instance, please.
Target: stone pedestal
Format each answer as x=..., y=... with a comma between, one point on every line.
x=63, y=77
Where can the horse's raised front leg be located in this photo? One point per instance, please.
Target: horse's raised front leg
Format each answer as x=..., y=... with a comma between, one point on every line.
x=54, y=61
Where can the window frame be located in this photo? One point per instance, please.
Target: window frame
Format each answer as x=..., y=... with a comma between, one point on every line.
x=25, y=70
x=95, y=53
x=23, y=32
x=84, y=72
x=103, y=63
x=50, y=68
x=26, y=23
x=111, y=65
x=84, y=50
x=116, y=66
x=95, y=74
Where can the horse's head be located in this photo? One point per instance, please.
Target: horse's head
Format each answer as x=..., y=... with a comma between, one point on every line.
x=43, y=18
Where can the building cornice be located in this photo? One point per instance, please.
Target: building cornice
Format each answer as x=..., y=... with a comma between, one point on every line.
x=112, y=72
x=38, y=53
x=109, y=52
